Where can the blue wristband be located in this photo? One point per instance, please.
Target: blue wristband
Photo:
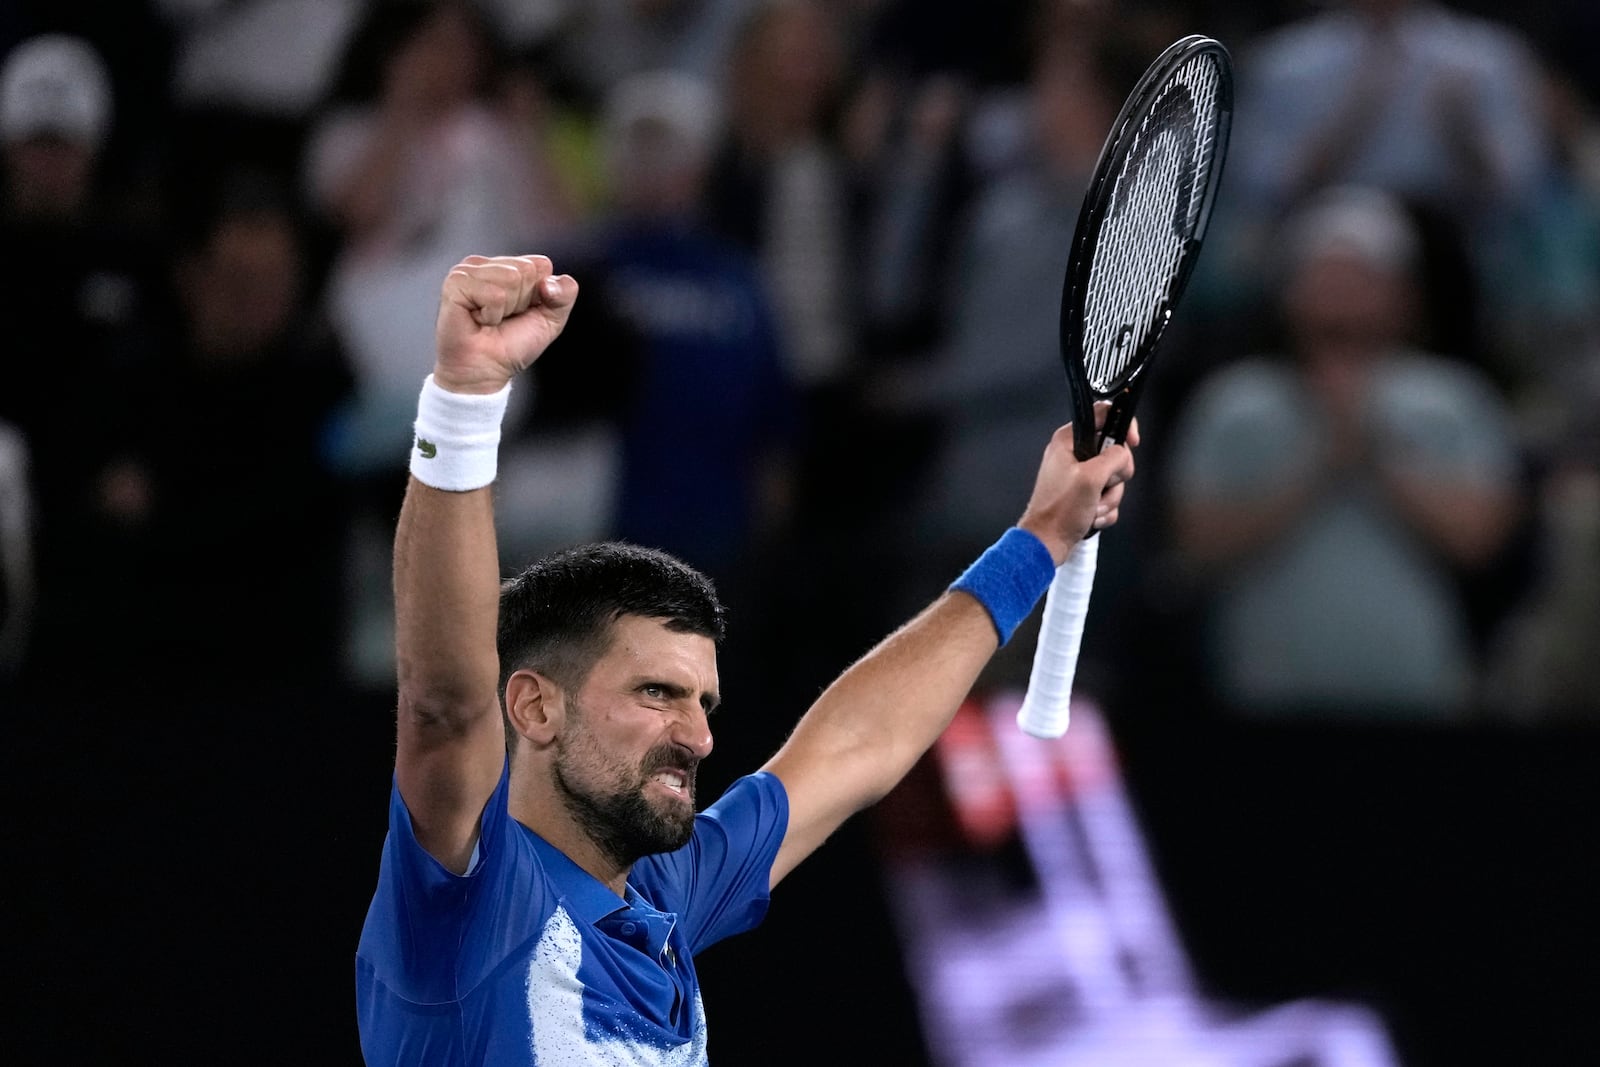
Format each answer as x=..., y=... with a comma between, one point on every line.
x=1009, y=578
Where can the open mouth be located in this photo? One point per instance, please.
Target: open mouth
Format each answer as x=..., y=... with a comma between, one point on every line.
x=676, y=782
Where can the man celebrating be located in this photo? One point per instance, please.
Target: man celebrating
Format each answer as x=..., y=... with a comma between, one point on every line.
x=546, y=882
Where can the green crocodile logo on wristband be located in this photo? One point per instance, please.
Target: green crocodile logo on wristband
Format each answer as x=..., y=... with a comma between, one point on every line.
x=427, y=448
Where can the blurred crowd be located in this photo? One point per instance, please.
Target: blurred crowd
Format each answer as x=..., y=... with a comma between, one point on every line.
x=821, y=245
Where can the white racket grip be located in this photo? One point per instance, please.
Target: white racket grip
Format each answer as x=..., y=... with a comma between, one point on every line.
x=1047, y=705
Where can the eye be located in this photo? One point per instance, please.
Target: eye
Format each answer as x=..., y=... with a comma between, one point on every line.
x=654, y=692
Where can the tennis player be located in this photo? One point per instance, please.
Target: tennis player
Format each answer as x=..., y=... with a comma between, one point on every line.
x=546, y=881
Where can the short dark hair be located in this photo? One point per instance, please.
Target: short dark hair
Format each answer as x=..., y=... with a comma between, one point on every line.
x=556, y=616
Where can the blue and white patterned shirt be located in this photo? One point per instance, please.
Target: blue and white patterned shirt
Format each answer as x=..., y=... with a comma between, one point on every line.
x=529, y=960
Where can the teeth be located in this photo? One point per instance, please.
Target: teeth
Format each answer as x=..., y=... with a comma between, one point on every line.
x=670, y=778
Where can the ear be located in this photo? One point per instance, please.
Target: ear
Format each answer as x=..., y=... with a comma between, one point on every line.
x=535, y=706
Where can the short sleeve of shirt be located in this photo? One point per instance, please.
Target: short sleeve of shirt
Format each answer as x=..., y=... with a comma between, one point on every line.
x=417, y=920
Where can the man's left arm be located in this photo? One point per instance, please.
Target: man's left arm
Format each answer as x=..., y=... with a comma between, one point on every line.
x=869, y=728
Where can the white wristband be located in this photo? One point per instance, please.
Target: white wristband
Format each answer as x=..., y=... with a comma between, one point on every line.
x=457, y=437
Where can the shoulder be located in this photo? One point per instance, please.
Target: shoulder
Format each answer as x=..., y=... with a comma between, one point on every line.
x=1303, y=49
x=424, y=920
x=1424, y=390
x=1256, y=385
x=759, y=795
x=744, y=824
x=1243, y=419
x=1423, y=379
x=720, y=882
x=1468, y=40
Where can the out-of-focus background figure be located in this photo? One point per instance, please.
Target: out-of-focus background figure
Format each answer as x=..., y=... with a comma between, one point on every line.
x=251, y=367
x=56, y=114
x=986, y=391
x=82, y=294
x=1342, y=644
x=1339, y=501
x=16, y=554
x=1438, y=107
x=411, y=158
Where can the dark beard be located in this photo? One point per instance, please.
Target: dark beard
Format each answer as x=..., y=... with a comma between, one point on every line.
x=624, y=825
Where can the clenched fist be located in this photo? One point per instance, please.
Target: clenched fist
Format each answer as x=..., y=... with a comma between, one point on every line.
x=496, y=316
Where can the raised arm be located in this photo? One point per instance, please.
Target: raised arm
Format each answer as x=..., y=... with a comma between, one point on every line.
x=871, y=726
x=496, y=316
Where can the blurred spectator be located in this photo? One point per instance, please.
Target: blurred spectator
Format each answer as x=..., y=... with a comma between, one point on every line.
x=778, y=183
x=133, y=45
x=676, y=350
x=415, y=163
x=997, y=383
x=249, y=77
x=55, y=115
x=1433, y=105
x=959, y=151
x=78, y=296
x=706, y=429
x=1551, y=282
x=604, y=42
x=937, y=104
x=1566, y=30
x=264, y=57
x=16, y=553
x=558, y=131
x=1437, y=107
x=905, y=145
x=248, y=517
x=1546, y=668
x=1338, y=504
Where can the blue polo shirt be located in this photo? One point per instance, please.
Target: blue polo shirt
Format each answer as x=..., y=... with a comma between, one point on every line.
x=528, y=959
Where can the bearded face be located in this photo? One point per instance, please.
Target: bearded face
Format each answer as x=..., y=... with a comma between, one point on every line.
x=629, y=807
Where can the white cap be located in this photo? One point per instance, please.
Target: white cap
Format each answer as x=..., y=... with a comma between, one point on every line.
x=54, y=84
x=682, y=107
x=1356, y=220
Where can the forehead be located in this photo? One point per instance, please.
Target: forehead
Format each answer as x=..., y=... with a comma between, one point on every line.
x=642, y=646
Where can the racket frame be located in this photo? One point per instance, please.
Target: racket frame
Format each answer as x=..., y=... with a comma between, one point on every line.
x=1124, y=392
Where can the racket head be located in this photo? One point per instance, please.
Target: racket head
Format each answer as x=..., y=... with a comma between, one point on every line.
x=1140, y=229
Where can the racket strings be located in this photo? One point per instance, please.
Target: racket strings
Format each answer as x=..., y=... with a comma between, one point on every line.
x=1155, y=202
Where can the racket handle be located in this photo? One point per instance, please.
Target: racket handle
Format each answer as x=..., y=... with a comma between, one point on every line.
x=1047, y=704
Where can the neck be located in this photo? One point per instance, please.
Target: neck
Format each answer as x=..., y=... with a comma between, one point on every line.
x=535, y=803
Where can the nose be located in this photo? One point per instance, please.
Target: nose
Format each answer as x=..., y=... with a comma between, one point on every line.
x=692, y=731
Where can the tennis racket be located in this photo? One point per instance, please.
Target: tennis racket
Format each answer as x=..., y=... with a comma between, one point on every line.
x=1138, y=235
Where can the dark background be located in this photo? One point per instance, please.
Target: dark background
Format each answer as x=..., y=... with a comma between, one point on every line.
x=188, y=862
x=188, y=874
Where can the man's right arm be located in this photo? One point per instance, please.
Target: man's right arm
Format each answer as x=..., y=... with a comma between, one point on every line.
x=496, y=316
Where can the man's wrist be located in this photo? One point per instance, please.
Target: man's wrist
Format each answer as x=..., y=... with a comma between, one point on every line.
x=470, y=385
x=1009, y=578
x=1044, y=533
x=457, y=438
